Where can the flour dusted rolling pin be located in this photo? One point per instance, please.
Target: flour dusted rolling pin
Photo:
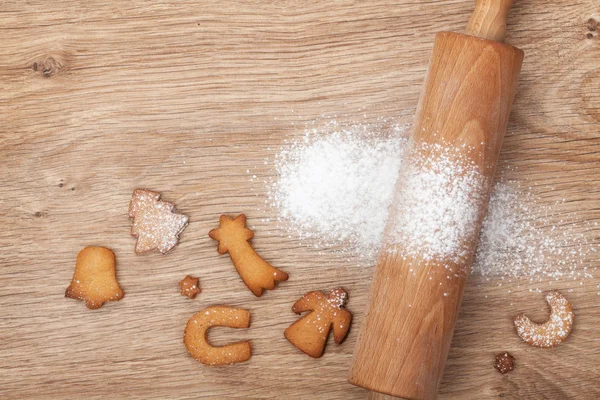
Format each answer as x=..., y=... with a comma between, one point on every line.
x=415, y=298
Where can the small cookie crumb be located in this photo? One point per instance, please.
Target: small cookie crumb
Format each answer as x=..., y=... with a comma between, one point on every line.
x=190, y=286
x=504, y=362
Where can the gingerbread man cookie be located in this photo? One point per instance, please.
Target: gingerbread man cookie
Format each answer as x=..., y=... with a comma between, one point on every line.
x=233, y=237
x=310, y=333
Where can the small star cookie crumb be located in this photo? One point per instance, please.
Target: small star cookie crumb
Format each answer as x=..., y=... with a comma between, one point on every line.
x=504, y=362
x=190, y=286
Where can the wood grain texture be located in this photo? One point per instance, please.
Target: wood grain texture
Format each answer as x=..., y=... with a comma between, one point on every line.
x=489, y=19
x=100, y=97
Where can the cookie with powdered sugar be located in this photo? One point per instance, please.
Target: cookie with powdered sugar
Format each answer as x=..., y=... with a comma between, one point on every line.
x=155, y=224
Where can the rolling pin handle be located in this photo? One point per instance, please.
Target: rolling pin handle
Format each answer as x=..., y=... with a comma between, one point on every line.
x=489, y=19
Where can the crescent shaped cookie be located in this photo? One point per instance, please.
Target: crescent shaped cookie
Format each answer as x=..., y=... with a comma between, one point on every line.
x=552, y=332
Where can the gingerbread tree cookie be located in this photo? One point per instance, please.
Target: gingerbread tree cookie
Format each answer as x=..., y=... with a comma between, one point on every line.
x=233, y=237
x=155, y=224
x=310, y=333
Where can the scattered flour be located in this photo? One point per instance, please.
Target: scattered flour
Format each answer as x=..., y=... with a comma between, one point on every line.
x=439, y=202
x=521, y=240
x=334, y=187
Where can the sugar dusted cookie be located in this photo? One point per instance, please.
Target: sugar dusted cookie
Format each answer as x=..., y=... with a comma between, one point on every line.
x=190, y=286
x=155, y=224
x=505, y=362
x=195, y=336
x=310, y=333
x=552, y=332
x=94, y=280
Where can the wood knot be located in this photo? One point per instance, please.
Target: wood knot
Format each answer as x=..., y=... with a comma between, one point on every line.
x=48, y=66
x=592, y=27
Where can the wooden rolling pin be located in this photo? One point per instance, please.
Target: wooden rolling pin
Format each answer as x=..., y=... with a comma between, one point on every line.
x=405, y=337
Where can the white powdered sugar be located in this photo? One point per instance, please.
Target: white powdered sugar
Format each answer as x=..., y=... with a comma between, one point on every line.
x=336, y=186
x=521, y=240
x=439, y=203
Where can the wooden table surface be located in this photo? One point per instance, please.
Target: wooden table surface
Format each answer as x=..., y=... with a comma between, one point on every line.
x=183, y=97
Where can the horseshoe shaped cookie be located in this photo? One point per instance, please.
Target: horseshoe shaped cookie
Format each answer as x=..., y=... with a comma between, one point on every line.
x=552, y=332
x=197, y=343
